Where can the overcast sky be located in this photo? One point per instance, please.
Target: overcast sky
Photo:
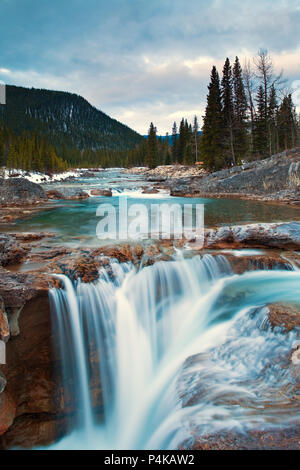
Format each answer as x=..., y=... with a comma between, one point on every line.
x=142, y=60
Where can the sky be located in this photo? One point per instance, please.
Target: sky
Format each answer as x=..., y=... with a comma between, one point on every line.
x=142, y=60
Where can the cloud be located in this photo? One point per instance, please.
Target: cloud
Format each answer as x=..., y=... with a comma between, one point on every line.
x=141, y=61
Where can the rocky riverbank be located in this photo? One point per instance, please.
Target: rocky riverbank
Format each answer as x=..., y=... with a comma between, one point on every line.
x=168, y=171
x=274, y=179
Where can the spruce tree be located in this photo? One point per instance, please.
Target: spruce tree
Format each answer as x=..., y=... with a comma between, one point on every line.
x=227, y=110
x=174, y=142
x=272, y=118
x=181, y=141
x=240, y=106
x=195, y=135
x=211, y=141
x=287, y=124
x=152, y=147
x=260, y=128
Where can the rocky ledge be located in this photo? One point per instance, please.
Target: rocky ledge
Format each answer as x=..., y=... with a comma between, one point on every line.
x=275, y=178
x=168, y=171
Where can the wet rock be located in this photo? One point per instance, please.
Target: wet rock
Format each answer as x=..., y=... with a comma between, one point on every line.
x=84, y=268
x=271, y=439
x=67, y=194
x=20, y=191
x=2, y=382
x=7, y=412
x=285, y=236
x=32, y=237
x=32, y=359
x=150, y=191
x=101, y=192
x=123, y=253
x=295, y=355
x=34, y=430
x=286, y=315
x=4, y=326
x=10, y=250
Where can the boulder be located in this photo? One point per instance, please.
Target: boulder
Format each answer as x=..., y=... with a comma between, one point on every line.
x=286, y=315
x=20, y=191
x=150, y=191
x=284, y=236
x=67, y=194
x=101, y=192
x=10, y=250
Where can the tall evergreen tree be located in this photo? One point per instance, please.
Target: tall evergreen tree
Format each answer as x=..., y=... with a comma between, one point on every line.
x=181, y=141
x=287, y=123
x=174, y=142
x=152, y=147
x=167, y=159
x=227, y=110
x=260, y=129
x=211, y=141
x=240, y=106
x=272, y=119
x=195, y=136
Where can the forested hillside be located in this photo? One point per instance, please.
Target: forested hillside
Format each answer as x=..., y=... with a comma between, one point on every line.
x=49, y=130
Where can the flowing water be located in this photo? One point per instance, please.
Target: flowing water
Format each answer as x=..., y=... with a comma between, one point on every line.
x=75, y=222
x=144, y=324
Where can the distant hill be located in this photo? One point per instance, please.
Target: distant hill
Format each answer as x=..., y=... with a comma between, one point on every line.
x=67, y=120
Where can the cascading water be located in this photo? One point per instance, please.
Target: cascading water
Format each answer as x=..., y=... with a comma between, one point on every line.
x=143, y=325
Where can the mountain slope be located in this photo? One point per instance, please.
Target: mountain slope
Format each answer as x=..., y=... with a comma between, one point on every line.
x=65, y=119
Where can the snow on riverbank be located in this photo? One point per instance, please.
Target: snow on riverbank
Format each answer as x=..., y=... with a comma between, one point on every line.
x=37, y=177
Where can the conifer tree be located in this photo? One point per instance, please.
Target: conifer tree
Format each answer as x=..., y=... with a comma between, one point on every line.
x=272, y=118
x=227, y=111
x=174, y=142
x=211, y=141
x=181, y=141
x=260, y=128
x=152, y=148
x=240, y=112
x=195, y=135
x=287, y=123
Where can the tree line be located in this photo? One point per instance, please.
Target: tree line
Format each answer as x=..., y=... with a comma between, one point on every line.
x=28, y=152
x=249, y=114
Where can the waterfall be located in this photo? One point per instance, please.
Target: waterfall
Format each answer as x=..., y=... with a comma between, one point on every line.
x=142, y=325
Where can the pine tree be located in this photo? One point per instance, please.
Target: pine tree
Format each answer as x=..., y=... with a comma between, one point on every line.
x=272, y=118
x=287, y=124
x=152, y=148
x=227, y=111
x=211, y=141
x=240, y=113
x=174, y=142
x=181, y=141
x=167, y=159
x=260, y=128
x=195, y=135
x=188, y=157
